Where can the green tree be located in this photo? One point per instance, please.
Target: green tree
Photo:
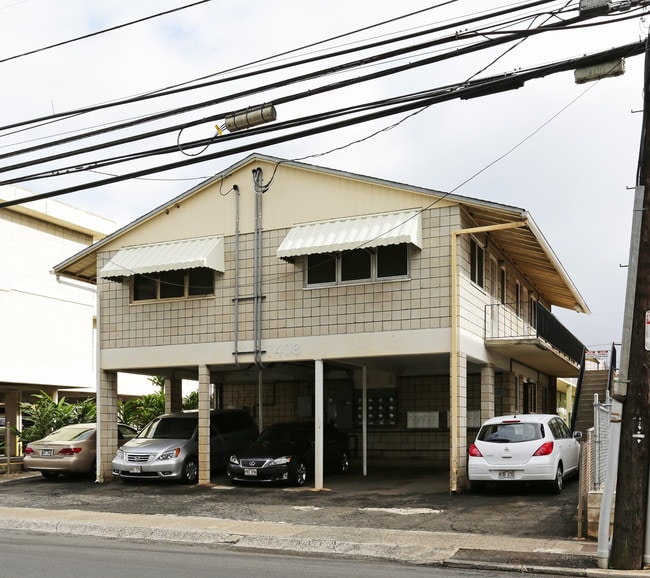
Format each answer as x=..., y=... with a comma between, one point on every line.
x=191, y=400
x=138, y=412
x=44, y=416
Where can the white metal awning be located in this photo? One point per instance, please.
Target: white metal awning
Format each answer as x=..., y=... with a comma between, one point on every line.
x=353, y=233
x=168, y=256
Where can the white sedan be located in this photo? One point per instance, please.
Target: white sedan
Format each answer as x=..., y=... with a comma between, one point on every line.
x=523, y=448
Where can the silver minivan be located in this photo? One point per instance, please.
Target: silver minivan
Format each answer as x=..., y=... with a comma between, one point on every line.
x=167, y=447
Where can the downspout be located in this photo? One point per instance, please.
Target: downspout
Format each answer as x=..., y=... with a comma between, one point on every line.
x=257, y=265
x=236, y=299
x=454, y=376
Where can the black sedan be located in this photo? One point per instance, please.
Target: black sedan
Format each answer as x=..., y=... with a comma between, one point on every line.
x=284, y=452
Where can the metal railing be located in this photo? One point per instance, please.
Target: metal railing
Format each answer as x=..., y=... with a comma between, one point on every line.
x=531, y=320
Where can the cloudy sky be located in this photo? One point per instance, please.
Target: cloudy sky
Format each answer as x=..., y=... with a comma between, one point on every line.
x=565, y=152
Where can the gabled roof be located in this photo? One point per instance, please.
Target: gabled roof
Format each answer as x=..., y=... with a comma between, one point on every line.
x=525, y=246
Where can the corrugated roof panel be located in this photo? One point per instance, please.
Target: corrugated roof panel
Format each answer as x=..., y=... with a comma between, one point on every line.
x=353, y=233
x=168, y=256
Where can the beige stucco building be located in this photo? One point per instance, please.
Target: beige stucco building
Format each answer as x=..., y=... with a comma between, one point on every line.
x=402, y=315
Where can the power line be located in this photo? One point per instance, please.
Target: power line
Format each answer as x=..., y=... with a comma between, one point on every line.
x=504, y=38
x=175, y=90
x=477, y=88
x=104, y=31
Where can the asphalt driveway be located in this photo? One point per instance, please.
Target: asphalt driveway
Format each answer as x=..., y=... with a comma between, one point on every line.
x=389, y=498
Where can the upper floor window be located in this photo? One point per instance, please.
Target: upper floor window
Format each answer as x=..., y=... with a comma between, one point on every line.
x=178, y=284
x=378, y=263
x=477, y=263
x=503, y=285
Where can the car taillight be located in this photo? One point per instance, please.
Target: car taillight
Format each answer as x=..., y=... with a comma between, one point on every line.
x=29, y=450
x=546, y=449
x=474, y=451
x=69, y=451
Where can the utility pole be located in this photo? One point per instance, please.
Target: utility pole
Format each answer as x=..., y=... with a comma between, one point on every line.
x=634, y=460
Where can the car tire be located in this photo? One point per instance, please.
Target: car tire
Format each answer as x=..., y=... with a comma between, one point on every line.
x=50, y=475
x=344, y=462
x=556, y=485
x=190, y=471
x=299, y=474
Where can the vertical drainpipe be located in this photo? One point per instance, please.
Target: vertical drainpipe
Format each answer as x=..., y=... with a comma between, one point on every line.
x=257, y=266
x=257, y=289
x=236, y=300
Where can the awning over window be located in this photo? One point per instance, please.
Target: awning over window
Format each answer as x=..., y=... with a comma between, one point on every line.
x=356, y=232
x=168, y=256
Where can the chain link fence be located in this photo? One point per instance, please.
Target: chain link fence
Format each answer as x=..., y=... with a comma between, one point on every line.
x=593, y=459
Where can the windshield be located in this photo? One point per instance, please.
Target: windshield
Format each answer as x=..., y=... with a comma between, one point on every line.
x=169, y=428
x=70, y=434
x=511, y=432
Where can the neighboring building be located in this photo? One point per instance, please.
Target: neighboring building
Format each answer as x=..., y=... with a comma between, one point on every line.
x=403, y=315
x=47, y=342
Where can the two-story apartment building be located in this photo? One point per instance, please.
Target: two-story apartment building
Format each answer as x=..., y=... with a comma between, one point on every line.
x=402, y=315
x=47, y=342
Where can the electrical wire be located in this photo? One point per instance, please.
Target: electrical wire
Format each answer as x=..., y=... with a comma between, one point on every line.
x=305, y=94
x=476, y=89
x=104, y=31
x=276, y=68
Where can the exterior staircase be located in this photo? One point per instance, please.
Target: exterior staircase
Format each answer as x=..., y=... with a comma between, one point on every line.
x=593, y=381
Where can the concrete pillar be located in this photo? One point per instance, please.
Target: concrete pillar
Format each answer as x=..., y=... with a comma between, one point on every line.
x=509, y=395
x=12, y=415
x=106, y=425
x=204, y=425
x=458, y=427
x=173, y=395
x=487, y=391
x=318, y=425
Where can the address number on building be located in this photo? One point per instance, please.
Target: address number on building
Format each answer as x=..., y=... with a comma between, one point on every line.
x=287, y=350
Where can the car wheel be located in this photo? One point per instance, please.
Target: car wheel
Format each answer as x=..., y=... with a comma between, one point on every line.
x=557, y=483
x=344, y=462
x=190, y=473
x=299, y=476
x=49, y=475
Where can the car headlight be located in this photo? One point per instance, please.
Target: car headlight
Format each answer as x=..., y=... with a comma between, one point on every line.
x=234, y=460
x=170, y=454
x=119, y=455
x=281, y=461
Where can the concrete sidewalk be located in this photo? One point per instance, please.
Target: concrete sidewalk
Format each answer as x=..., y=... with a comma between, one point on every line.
x=411, y=547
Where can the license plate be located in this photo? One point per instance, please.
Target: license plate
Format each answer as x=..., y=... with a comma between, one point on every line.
x=135, y=469
x=250, y=472
x=506, y=474
x=48, y=452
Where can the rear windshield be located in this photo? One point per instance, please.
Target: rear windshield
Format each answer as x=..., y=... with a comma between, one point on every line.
x=511, y=432
x=69, y=434
x=169, y=428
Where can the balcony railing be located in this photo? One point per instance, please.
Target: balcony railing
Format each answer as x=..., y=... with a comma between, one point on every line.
x=531, y=321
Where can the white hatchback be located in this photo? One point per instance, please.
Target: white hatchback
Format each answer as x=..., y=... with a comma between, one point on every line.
x=523, y=448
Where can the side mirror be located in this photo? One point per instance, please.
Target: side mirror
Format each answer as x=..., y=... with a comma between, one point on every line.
x=577, y=435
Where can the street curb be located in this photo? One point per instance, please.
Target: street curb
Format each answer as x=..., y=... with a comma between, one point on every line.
x=398, y=546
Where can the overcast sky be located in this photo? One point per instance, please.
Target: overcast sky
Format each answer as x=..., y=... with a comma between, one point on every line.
x=565, y=152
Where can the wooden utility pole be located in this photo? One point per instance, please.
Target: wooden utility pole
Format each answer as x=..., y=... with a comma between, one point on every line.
x=628, y=540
